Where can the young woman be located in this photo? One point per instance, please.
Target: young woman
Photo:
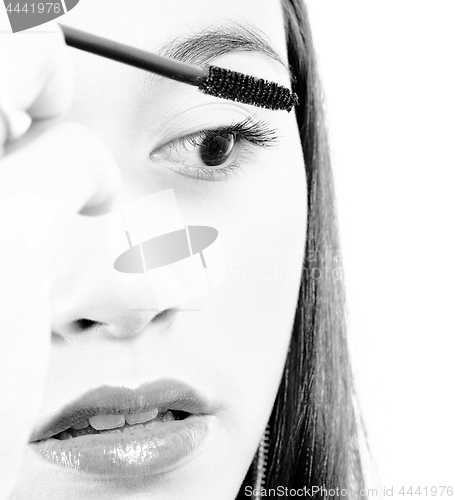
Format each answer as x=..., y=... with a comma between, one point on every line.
x=256, y=371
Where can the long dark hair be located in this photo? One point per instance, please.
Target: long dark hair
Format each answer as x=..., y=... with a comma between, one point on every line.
x=313, y=425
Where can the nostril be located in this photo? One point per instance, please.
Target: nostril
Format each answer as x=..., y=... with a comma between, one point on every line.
x=161, y=314
x=125, y=325
x=84, y=324
x=165, y=316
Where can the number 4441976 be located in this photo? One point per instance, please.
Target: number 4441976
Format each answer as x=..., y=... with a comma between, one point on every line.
x=38, y=8
x=434, y=491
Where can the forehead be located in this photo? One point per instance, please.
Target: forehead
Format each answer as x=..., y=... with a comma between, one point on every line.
x=155, y=25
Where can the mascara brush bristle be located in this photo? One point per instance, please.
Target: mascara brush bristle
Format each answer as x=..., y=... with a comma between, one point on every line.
x=247, y=89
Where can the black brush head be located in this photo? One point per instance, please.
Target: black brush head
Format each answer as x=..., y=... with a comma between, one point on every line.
x=247, y=89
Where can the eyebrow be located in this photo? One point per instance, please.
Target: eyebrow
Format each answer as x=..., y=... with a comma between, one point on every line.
x=207, y=45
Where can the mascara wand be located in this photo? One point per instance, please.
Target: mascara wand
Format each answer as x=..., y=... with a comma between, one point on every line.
x=211, y=80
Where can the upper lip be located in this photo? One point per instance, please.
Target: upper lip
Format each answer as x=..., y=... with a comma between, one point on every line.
x=171, y=394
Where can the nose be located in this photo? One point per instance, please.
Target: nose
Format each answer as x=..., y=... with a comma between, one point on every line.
x=89, y=295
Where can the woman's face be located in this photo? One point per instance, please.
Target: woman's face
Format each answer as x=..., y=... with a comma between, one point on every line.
x=230, y=344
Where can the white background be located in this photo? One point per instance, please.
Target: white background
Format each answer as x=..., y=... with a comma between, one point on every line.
x=388, y=70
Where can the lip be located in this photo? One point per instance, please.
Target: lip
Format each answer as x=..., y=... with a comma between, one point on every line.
x=136, y=451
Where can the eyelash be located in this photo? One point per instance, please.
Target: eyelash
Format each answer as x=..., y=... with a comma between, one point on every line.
x=248, y=131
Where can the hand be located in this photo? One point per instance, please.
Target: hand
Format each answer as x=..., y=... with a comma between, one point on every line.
x=55, y=171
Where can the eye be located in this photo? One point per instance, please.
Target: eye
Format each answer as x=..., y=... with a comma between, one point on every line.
x=207, y=154
x=215, y=154
x=209, y=148
x=216, y=148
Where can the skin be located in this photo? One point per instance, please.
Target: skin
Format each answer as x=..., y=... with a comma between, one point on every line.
x=233, y=351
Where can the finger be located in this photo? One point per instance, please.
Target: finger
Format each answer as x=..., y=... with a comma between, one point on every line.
x=64, y=167
x=35, y=74
x=40, y=78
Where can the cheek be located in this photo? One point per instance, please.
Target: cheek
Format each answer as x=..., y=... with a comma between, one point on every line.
x=262, y=223
x=265, y=259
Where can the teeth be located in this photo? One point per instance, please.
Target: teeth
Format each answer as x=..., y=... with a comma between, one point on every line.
x=81, y=425
x=102, y=422
x=110, y=422
x=168, y=417
x=139, y=418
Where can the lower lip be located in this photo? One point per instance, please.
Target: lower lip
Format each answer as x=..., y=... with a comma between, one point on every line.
x=128, y=454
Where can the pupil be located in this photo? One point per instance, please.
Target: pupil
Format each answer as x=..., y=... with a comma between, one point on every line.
x=215, y=150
